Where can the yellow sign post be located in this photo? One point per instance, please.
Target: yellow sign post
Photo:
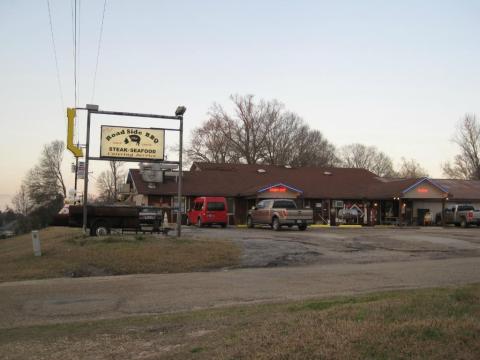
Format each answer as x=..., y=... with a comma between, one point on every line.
x=76, y=151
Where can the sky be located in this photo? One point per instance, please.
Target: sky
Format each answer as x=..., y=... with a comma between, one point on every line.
x=397, y=75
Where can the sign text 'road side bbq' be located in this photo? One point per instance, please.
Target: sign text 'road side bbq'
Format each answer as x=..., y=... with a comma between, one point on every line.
x=132, y=143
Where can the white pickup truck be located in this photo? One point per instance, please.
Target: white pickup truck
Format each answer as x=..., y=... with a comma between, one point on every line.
x=278, y=213
x=462, y=215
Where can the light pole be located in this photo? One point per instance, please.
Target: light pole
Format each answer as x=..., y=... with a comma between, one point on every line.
x=179, y=113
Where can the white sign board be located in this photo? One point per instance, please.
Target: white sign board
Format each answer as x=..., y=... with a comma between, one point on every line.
x=132, y=143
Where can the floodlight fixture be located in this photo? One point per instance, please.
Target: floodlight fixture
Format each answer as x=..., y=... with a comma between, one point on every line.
x=180, y=111
x=92, y=107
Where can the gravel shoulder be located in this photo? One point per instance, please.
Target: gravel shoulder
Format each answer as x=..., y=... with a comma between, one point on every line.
x=262, y=247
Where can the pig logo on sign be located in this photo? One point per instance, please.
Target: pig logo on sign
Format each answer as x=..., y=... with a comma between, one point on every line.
x=133, y=138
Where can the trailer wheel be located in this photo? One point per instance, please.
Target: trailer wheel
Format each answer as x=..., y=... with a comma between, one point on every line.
x=100, y=228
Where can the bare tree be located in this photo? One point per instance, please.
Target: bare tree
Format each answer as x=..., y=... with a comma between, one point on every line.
x=21, y=201
x=209, y=143
x=247, y=131
x=259, y=132
x=411, y=169
x=466, y=165
x=312, y=149
x=44, y=182
x=281, y=139
x=108, y=182
x=367, y=157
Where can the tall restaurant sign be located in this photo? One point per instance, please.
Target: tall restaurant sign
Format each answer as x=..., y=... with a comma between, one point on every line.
x=132, y=143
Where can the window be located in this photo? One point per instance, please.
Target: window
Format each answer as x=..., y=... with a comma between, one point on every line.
x=284, y=204
x=261, y=204
x=198, y=206
x=465, y=208
x=215, y=206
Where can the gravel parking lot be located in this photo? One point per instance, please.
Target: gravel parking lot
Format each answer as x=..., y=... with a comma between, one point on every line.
x=263, y=247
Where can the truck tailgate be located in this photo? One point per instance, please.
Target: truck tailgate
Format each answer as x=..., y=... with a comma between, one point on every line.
x=299, y=214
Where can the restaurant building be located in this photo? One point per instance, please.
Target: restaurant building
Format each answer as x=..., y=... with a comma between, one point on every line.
x=336, y=195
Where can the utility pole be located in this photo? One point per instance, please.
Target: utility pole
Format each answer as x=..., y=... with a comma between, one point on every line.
x=85, y=176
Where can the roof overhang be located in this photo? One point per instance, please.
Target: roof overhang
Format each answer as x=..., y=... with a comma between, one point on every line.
x=422, y=190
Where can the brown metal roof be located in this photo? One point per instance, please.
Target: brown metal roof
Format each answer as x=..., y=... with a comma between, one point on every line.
x=206, y=179
x=461, y=189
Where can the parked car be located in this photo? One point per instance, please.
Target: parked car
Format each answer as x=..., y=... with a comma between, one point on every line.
x=278, y=213
x=462, y=215
x=208, y=211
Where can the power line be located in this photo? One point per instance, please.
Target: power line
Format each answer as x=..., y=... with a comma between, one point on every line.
x=98, y=50
x=55, y=54
x=75, y=55
x=78, y=48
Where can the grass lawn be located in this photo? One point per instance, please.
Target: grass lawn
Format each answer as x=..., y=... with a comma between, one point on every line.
x=415, y=324
x=67, y=252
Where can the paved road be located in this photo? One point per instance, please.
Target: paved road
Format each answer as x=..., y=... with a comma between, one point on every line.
x=64, y=300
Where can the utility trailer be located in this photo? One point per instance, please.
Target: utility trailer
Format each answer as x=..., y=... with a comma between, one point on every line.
x=101, y=219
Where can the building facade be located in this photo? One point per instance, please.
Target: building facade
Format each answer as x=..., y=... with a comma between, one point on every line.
x=336, y=195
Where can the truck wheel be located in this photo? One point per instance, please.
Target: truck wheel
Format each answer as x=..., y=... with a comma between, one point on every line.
x=302, y=227
x=276, y=224
x=199, y=222
x=188, y=221
x=249, y=222
x=463, y=223
x=100, y=229
x=224, y=225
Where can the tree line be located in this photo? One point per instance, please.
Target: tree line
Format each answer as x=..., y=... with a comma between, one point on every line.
x=265, y=132
x=43, y=191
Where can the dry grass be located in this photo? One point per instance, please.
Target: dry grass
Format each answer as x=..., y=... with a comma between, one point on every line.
x=422, y=324
x=66, y=252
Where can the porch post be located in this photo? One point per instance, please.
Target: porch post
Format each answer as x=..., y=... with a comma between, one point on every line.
x=399, y=212
x=443, y=211
x=380, y=211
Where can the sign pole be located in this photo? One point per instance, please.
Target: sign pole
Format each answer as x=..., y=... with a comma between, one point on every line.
x=76, y=178
x=179, y=213
x=85, y=181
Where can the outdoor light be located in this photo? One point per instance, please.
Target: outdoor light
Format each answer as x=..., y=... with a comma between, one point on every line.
x=180, y=110
x=92, y=107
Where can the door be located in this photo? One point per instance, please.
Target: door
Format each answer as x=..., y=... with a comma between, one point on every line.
x=421, y=216
x=259, y=215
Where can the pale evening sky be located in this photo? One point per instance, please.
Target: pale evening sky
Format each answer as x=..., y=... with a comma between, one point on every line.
x=394, y=74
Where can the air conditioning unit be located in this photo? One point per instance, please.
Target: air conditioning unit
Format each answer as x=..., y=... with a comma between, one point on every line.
x=338, y=204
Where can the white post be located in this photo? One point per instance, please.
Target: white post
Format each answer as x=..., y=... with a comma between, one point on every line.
x=36, y=243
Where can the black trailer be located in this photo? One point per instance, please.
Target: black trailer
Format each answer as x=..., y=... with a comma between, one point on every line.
x=101, y=219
